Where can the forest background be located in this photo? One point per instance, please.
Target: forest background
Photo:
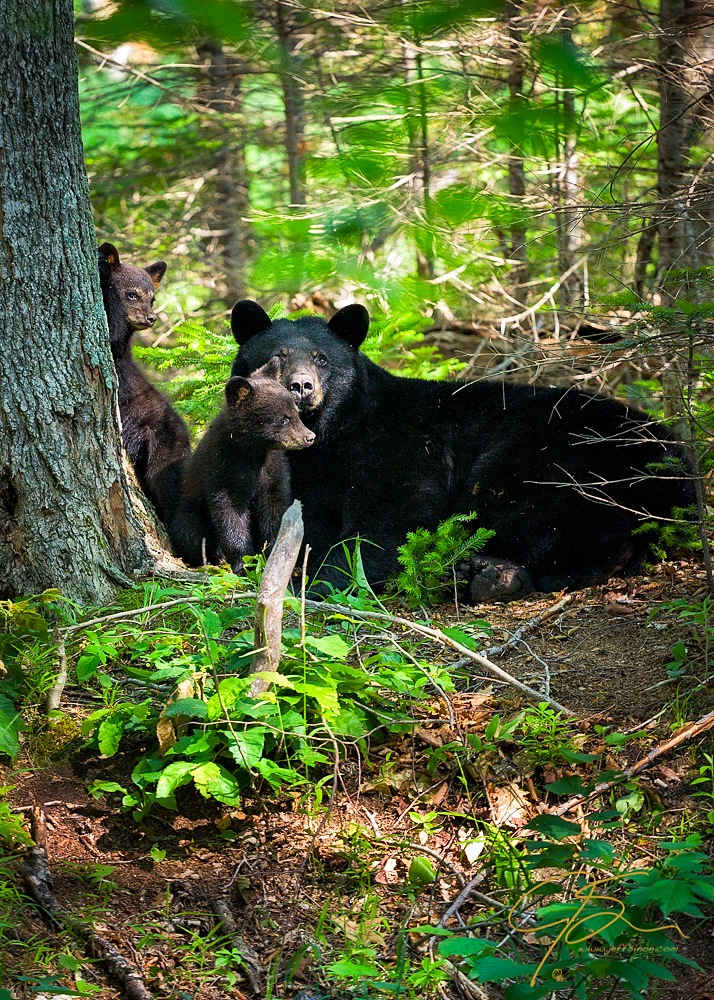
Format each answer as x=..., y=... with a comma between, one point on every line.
x=517, y=189
x=515, y=171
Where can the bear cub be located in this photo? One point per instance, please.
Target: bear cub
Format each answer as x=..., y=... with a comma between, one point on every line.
x=155, y=437
x=237, y=483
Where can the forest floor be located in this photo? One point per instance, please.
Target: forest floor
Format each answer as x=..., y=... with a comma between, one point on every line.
x=310, y=880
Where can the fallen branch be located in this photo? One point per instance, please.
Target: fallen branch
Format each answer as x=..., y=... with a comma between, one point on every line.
x=250, y=959
x=515, y=637
x=445, y=640
x=162, y=606
x=271, y=595
x=38, y=876
x=687, y=732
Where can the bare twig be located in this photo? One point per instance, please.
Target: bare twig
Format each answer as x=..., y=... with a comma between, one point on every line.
x=250, y=959
x=162, y=606
x=439, y=636
x=38, y=876
x=269, y=606
x=687, y=732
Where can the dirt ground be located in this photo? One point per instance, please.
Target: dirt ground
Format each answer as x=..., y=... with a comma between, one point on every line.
x=295, y=867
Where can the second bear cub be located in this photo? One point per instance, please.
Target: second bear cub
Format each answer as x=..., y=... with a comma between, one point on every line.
x=237, y=484
x=154, y=435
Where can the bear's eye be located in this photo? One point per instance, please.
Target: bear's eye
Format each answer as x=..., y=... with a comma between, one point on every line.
x=321, y=360
x=132, y=296
x=284, y=421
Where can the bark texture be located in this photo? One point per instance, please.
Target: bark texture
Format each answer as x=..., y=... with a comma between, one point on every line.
x=229, y=229
x=287, y=28
x=518, y=249
x=66, y=518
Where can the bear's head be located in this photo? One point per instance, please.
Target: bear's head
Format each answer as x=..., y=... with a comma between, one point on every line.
x=320, y=362
x=263, y=412
x=128, y=292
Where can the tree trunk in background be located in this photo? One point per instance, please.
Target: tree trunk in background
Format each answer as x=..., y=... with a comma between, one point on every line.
x=66, y=518
x=286, y=24
x=671, y=153
x=418, y=131
x=227, y=218
x=566, y=216
x=516, y=168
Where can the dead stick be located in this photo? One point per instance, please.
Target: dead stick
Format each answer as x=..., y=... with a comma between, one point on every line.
x=54, y=695
x=687, y=732
x=435, y=633
x=522, y=630
x=38, y=876
x=271, y=595
x=250, y=959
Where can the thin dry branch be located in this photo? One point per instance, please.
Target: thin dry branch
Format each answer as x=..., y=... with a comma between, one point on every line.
x=687, y=732
x=37, y=874
x=250, y=959
x=445, y=640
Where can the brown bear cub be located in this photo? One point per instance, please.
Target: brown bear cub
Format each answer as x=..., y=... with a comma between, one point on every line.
x=154, y=435
x=237, y=484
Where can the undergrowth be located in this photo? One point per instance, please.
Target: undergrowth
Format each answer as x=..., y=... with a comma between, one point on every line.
x=163, y=677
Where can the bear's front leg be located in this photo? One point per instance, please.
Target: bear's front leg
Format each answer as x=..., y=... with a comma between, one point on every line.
x=233, y=530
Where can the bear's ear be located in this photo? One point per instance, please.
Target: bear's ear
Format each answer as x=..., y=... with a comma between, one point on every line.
x=272, y=369
x=156, y=272
x=238, y=391
x=247, y=320
x=351, y=324
x=108, y=255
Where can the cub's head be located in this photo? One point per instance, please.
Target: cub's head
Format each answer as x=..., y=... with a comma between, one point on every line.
x=320, y=362
x=264, y=412
x=128, y=290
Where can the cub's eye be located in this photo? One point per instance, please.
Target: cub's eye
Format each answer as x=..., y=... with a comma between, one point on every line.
x=284, y=421
x=321, y=360
x=132, y=296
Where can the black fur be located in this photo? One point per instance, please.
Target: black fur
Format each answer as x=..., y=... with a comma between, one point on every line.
x=562, y=476
x=155, y=437
x=237, y=483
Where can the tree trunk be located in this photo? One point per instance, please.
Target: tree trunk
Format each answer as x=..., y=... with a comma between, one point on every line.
x=516, y=170
x=417, y=127
x=291, y=82
x=671, y=145
x=671, y=228
x=227, y=217
x=566, y=216
x=66, y=517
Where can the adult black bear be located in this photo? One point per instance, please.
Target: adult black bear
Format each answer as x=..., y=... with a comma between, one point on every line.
x=154, y=435
x=237, y=483
x=562, y=477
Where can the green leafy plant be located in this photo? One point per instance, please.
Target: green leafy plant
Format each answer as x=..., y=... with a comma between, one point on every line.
x=544, y=736
x=428, y=558
x=705, y=784
x=606, y=925
x=210, y=732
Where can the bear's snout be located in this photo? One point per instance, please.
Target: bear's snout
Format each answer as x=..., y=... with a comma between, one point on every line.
x=304, y=384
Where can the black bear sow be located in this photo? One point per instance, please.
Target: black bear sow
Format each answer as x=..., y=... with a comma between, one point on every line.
x=562, y=477
x=154, y=435
x=237, y=483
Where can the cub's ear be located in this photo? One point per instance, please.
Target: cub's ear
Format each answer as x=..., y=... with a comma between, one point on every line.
x=247, y=320
x=238, y=391
x=272, y=369
x=156, y=272
x=108, y=255
x=351, y=324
